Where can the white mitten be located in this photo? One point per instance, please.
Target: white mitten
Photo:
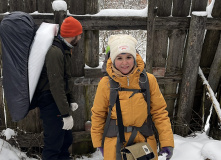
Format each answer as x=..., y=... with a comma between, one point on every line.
x=68, y=123
x=74, y=106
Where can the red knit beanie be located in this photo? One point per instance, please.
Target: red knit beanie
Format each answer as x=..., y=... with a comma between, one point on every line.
x=70, y=27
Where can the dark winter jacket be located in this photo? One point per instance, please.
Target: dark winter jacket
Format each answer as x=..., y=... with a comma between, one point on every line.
x=56, y=77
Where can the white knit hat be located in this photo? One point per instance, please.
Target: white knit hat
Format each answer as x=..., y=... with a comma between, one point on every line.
x=122, y=43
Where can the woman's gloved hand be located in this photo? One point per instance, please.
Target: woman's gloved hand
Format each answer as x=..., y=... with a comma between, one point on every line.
x=102, y=150
x=168, y=151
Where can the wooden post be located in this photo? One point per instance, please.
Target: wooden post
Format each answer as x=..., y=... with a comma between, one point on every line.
x=190, y=73
x=78, y=52
x=59, y=16
x=3, y=6
x=91, y=37
x=152, y=11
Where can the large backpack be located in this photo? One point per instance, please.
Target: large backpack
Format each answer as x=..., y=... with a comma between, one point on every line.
x=21, y=45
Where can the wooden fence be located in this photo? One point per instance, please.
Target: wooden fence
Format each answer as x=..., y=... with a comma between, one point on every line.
x=177, y=44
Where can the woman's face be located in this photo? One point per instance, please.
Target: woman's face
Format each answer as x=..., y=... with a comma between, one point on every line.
x=124, y=62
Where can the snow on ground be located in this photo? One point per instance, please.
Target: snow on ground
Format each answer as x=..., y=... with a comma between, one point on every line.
x=197, y=146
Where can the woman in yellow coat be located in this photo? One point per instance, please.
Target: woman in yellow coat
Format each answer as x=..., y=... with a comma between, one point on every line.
x=125, y=66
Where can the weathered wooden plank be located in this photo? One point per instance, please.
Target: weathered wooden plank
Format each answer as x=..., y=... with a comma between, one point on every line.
x=30, y=6
x=77, y=7
x=78, y=61
x=190, y=73
x=132, y=23
x=213, y=24
x=92, y=73
x=211, y=41
x=164, y=8
x=45, y=6
x=92, y=48
x=85, y=89
x=150, y=34
x=160, y=51
x=215, y=69
x=16, y=5
x=78, y=52
x=160, y=48
x=214, y=81
x=3, y=6
x=216, y=12
x=177, y=40
x=199, y=5
x=209, y=47
x=174, y=60
x=91, y=37
x=181, y=8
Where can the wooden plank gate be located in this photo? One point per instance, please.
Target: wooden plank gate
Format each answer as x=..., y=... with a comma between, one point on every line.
x=178, y=42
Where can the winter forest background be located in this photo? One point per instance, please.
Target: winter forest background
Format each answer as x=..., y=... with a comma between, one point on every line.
x=138, y=34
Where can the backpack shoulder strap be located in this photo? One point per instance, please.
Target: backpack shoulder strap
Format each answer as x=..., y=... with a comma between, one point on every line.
x=59, y=45
x=144, y=85
x=113, y=97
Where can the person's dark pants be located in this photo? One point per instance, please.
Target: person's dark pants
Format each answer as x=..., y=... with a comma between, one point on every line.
x=56, y=140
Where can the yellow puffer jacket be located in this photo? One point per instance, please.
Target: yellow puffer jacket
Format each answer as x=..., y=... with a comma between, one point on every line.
x=134, y=110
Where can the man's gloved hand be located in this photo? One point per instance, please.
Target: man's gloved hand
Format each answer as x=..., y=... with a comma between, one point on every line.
x=74, y=106
x=102, y=150
x=68, y=123
x=168, y=151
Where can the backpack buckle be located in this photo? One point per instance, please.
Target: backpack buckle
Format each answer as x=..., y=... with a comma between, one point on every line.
x=129, y=129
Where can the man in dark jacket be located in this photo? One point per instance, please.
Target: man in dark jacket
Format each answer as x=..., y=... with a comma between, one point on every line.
x=56, y=92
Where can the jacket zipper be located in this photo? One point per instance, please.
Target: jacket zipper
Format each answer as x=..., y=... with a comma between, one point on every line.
x=128, y=81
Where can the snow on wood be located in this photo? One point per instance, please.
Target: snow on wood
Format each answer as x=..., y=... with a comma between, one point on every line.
x=211, y=94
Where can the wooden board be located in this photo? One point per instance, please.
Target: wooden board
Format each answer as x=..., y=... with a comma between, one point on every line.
x=174, y=63
x=190, y=73
x=181, y=8
x=164, y=8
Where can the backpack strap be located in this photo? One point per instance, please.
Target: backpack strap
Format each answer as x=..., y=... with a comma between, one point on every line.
x=113, y=97
x=59, y=45
x=144, y=83
x=114, y=88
